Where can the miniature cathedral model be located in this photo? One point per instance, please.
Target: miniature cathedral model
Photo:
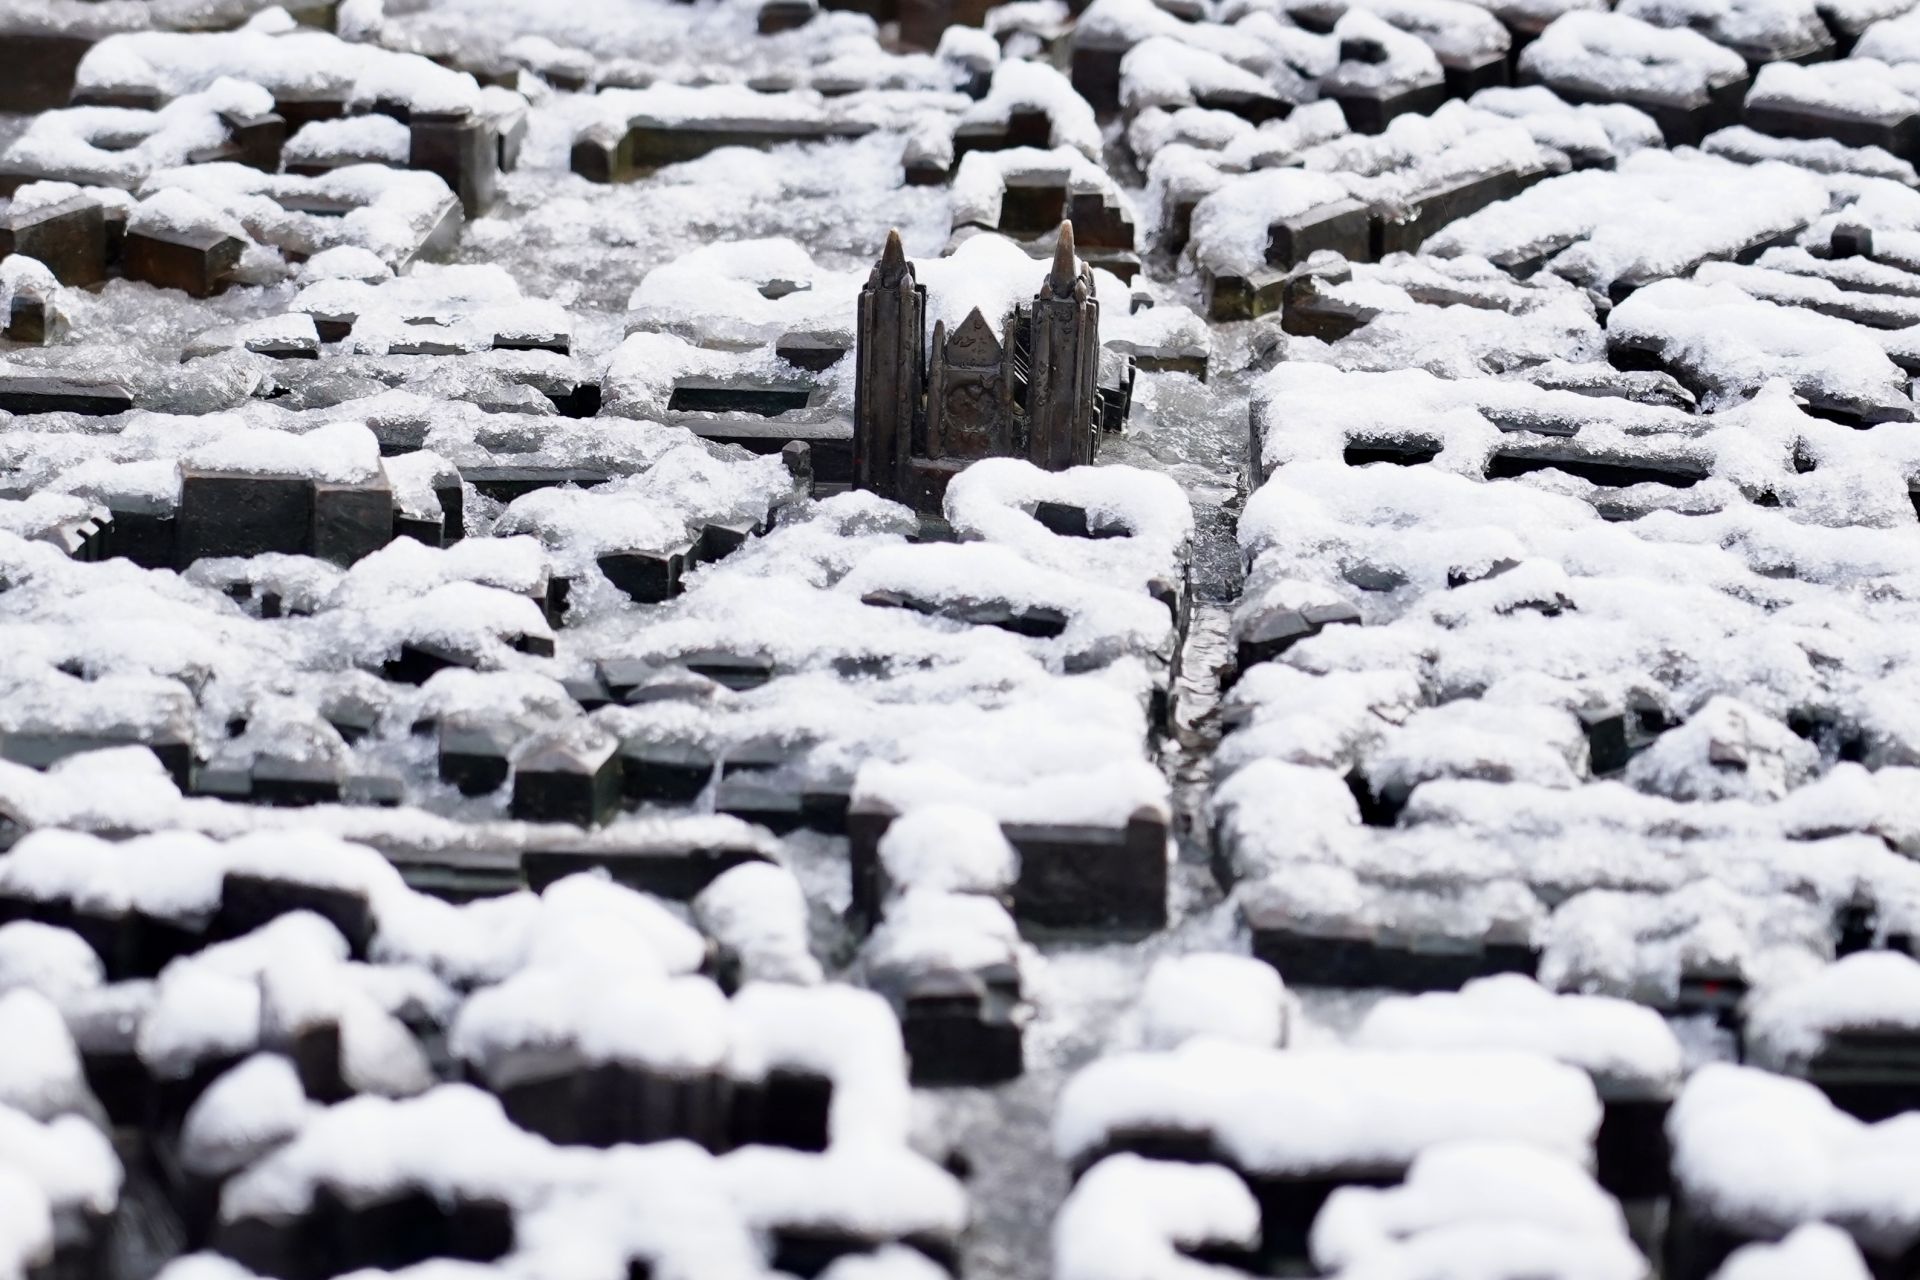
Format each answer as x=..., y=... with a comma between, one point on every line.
x=1031, y=392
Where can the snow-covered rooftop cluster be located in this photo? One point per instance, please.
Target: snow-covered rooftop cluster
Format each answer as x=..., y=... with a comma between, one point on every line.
x=306, y=991
x=1421, y=786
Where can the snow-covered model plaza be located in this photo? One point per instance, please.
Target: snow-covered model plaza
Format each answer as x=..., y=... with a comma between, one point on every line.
x=917, y=639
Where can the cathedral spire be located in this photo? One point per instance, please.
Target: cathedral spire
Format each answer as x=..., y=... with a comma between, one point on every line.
x=893, y=259
x=1060, y=279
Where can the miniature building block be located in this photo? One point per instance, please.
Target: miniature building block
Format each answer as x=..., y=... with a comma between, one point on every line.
x=132, y=97
x=475, y=758
x=562, y=780
x=504, y=484
x=808, y=351
x=1435, y=209
x=676, y=873
x=720, y=539
x=960, y=1028
x=1631, y=1154
x=417, y=661
x=599, y=158
x=232, y=514
x=460, y=147
x=564, y=1097
x=1232, y=297
x=249, y=900
x=69, y=237
x=420, y=530
x=1371, y=113
x=1682, y=124
x=146, y=537
x=829, y=442
x=1095, y=72
x=35, y=322
x=38, y=749
x=647, y=577
x=786, y=1109
x=453, y=504
x=1038, y=621
x=1607, y=746
x=1070, y=521
x=443, y=532
x=299, y=110
x=922, y=22
x=199, y=263
x=706, y=395
x=1093, y=877
x=771, y=801
x=280, y=781
x=798, y=457
x=646, y=145
x=1344, y=227
x=40, y=68
x=1361, y=956
x=351, y=521
x=664, y=772
x=255, y=141
x=786, y=15
x=1273, y=632
x=1869, y=1073
x=1024, y=127
x=1466, y=76
x=1901, y=136
x=398, y=1230
x=1255, y=108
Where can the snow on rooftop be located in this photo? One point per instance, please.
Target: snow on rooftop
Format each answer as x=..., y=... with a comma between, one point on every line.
x=1315, y=1112
x=759, y=912
x=298, y=63
x=1658, y=214
x=1035, y=86
x=1868, y=993
x=453, y=1142
x=948, y=847
x=849, y=1036
x=1132, y=1216
x=930, y=930
x=1625, y=1047
x=1231, y=226
x=1617, y=55
x=1814, y=1249
x=27, y=1227
x=874, y=1191
x=1210, y=994
x=1761, y=1154
x=70, y=1160
x=1482, y=1208
x=119, y=146
x=246, y=1113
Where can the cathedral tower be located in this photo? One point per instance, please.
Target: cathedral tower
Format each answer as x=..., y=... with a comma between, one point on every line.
x=1063, y=399
x=890, y=346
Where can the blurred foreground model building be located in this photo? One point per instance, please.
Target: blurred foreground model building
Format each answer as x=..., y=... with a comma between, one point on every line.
x=1032, y=391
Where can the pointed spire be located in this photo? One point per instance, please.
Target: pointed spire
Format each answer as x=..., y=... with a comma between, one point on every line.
x=974, y=341
x=893, y=260
x=1060, y=279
